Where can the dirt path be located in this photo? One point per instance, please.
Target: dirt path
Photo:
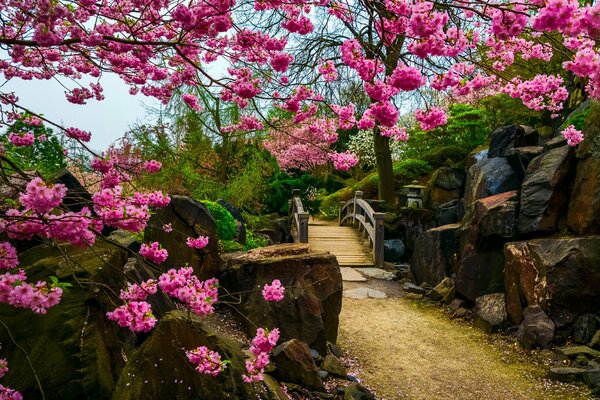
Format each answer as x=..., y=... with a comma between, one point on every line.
x=411, y=350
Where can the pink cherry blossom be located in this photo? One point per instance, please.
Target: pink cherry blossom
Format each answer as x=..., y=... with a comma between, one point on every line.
x=206, y=361
x=573, y=136
x=42, y=197
x=153, y=252
x=431, y=119
x=8, y=256
x=22, y=139
x=198, y=243
x=274, y=291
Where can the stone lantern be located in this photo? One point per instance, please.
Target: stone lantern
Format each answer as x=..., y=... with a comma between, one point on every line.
x=414, y=195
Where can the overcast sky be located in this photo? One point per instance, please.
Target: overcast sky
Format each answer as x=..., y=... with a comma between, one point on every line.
x=107, y=119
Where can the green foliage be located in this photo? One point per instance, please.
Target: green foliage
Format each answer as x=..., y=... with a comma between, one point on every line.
x=254, y=241
x=578, y=119
x=406, y=171
x=282, y=184
x=45, y=156
x=445, y=155
x=226, y=225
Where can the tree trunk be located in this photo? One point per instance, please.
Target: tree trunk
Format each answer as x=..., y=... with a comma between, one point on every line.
x=383, y=156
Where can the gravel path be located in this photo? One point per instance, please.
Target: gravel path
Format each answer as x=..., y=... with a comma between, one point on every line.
x=410, y=350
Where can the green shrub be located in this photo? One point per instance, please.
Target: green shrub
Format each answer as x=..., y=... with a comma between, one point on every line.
x=406, y=171
x=445, y=155
x=226, y=225
x=229, y=246
x=253, y=241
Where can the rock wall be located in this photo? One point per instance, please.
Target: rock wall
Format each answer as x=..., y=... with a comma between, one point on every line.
x=529, y=230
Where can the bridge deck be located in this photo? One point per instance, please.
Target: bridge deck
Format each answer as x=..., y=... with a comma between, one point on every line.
x=344, y=242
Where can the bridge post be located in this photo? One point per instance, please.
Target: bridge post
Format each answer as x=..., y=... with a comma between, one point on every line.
x=358, y=195
x=378, y=244
x=303, y=228
x=341, y=208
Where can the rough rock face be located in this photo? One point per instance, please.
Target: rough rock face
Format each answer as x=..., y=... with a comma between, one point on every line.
x=537, y=329
x=583, y=217
x=544, y=194
x=496, y=215
x=296, y=365
x=433, y=254
x=446, y=184
x=503, y=139
x=309, y=312
x=488, y=177
x=449, y=213
x=393, y=250
x=520, y=157
x=189, y=218
x=407, y=225
x=74, y=348
x=159, y=369
x=562, y=276
x=480, y=273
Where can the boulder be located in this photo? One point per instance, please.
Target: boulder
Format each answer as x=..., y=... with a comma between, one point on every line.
x=433, y=254
x=520, y=157
x=74, y=348
x=583, y=216
x=77, y=196
x=480, y=273
x=489, y=177
x=566, y=374
x=490, y=311
x=584, y=328
x=159, y=369
x=494, y=216
x=573, y=352
x=595, y=342
x=334, y=366
x=189, y=218
x=446, y=184
x=503, y=139
x=544, y=194
x=476, y=155
x=356, y=391
x=309, y=311
x=537, y=329
x=449, y=213
x=295, y=364
x=562, y=276
x=408, y=224
x=393, y=250
x=412, y=288
x=443, y=292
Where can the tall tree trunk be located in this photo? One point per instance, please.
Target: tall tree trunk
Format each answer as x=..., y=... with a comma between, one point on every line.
x=383, y=156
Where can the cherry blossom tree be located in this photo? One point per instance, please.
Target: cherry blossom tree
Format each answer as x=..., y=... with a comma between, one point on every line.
x=242, y=52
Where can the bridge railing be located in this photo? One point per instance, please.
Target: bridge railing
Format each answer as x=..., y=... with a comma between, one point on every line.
x=297, y=218
x=359, y=213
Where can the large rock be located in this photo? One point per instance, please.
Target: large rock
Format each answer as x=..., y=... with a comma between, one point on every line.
x=393, y=250
x=159, y=369
x=446, y=184
x=490, y=311
x=313, y=282
x=408, y=224
x=585, y=328
x=496, y=215
x=450, y=212
x=583, y=217
x=543, y=194
x=334, y=366
x=434, y=252
x=503, y=139
x=520, y=157
x=189, y=218
x=562, y=276
x=74, y=348
x=296, y=365
x=537, y=329
x=356, y=391
x=480, y=273
x=443, y=292
x=489, y=177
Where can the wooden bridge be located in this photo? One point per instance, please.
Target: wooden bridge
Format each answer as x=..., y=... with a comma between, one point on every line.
x=356, y=239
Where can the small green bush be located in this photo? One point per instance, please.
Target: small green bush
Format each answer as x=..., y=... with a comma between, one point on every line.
x=253, y=241
x=406, y=171
x=226, y=225
x=445, y=155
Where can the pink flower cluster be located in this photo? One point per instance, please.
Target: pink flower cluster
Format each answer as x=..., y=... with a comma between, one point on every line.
x=135, y=315
x=406, y=78
x=15, y=291
x=328, y=71
x=262, y=344
x=138, y=292
x=343, y=161
x=22, y=139
x=191, y=101
x=432, y=119
x=207, y=361
x=8, y=256
x=395, y=132
x=541, y=92
x=280, y=61
x=274, y=291
x=199, y=296
x=7, y=393
x=198, y=243
x=153, y=252
x=345, y=114
x=41, y=197
x=152, y=166
x=78, y=134
x=119, y=211
x=573, y=136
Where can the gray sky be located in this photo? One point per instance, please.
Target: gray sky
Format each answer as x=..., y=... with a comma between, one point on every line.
x=107, y=119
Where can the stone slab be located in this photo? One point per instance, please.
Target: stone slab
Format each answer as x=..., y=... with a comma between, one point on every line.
x=376, y=273
x=364, y=293
x=351, y=275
